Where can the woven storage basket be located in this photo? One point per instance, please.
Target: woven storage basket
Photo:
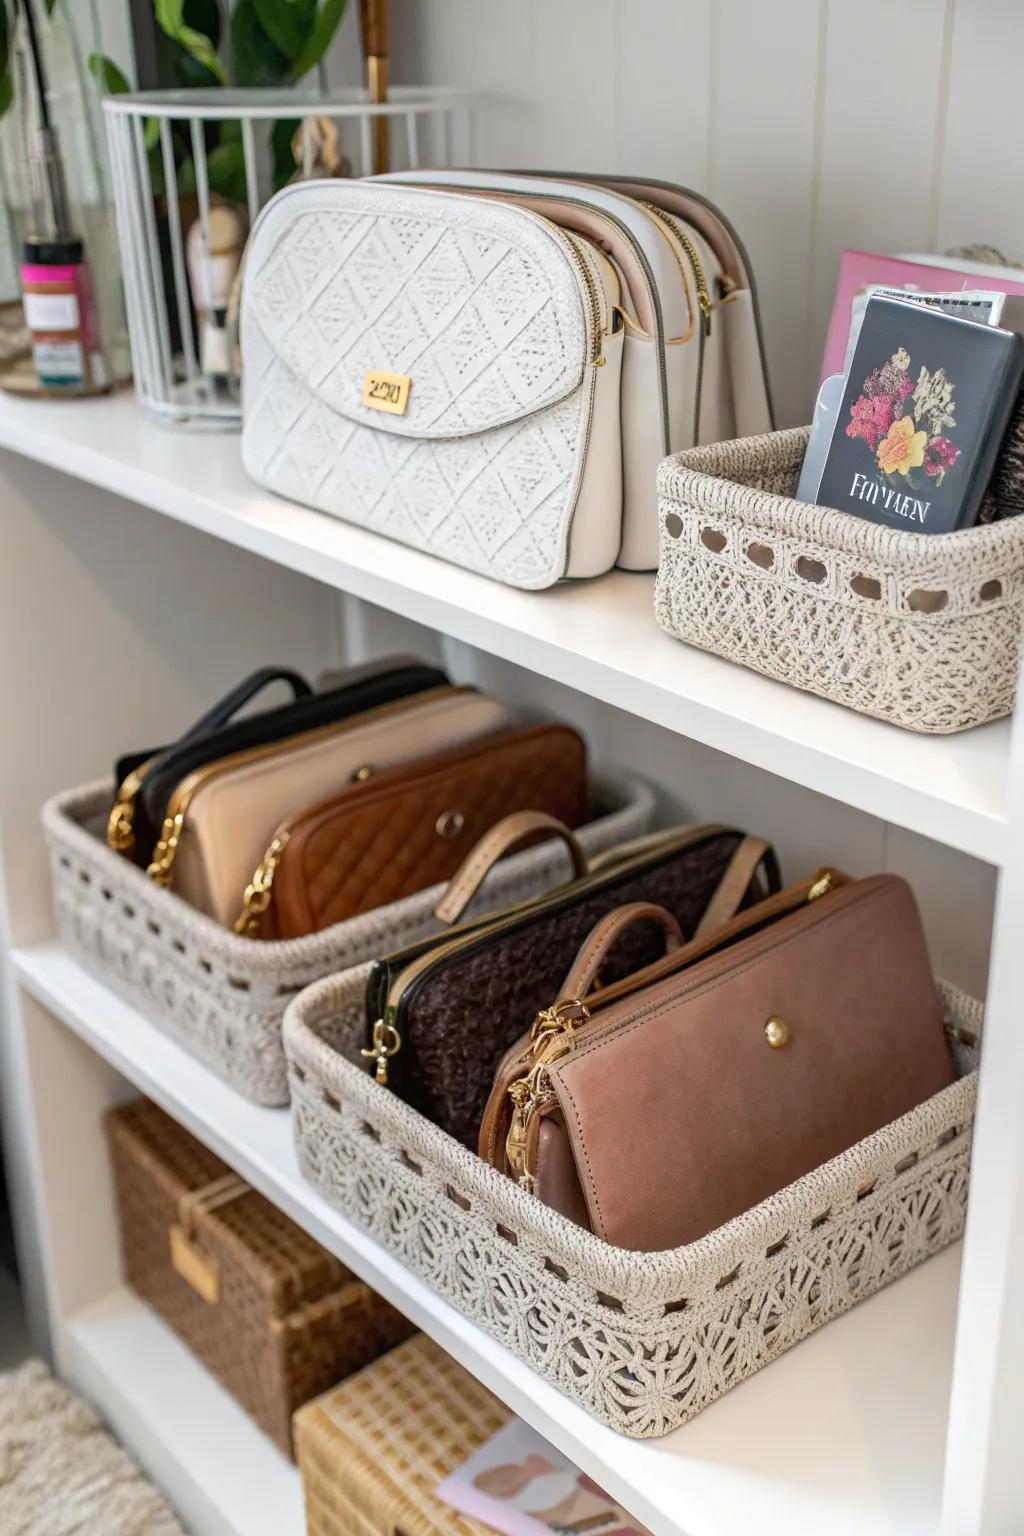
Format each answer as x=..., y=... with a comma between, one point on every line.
x=223, y=997
x=833, y=603
x=373, y=1452
x=642, y=1341
x=275, y=1318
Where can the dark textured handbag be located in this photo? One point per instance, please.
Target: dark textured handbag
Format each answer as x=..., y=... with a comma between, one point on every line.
x=441, y=1016
x=146, y=780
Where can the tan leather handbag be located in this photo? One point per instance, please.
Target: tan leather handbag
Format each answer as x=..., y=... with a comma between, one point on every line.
x=656, y=1109
x=220, y=819
x=408, y=828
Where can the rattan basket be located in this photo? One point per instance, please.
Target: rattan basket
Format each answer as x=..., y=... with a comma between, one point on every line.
x=268, y=1311
x=642, y=1341
x=373, y=1452
x=924, y=630
x=223, y=997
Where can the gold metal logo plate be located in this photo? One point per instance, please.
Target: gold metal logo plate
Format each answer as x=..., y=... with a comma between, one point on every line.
x=387, y=391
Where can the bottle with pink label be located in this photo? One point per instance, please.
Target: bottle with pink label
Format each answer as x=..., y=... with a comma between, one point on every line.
x=60, y=312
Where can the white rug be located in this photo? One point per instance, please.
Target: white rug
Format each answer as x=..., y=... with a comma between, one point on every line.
x=61, y=1473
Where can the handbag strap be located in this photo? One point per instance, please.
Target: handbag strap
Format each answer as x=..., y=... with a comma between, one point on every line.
x=735, y=883
x=607, y=932
x=758, y=916
x=243, y=693
x=501, y=838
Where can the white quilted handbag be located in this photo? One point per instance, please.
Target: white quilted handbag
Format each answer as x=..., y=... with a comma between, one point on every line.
x=443, y=369
x=693, y=368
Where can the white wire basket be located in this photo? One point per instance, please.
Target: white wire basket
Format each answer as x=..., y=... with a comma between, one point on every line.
x=179, y=282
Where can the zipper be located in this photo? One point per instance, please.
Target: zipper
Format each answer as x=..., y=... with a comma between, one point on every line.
x=399, y=990
x=553, y=1035
x=519, y=197
x=692, y=255
x=727, y=225
x=161, y=870
x=595, y=310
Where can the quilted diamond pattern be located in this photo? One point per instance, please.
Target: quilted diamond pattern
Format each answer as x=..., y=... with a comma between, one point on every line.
x=479, y=305
x=410, y=827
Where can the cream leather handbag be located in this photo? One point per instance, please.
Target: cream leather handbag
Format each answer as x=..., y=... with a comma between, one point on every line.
x=693, y=368
x=443, y=369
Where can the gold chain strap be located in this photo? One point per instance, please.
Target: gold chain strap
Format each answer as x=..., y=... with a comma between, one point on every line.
x=163, y=854
x=259, y=891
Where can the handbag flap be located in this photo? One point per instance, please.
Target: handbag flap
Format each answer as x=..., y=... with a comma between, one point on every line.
x=689, y=1109
x=472, y=311
x=409, y=828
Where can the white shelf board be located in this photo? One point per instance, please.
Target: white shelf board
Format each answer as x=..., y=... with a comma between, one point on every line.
x=599, y=637
x=221, y=1471
x=845, y=1434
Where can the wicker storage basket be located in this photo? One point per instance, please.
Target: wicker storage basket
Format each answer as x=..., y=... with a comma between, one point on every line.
x=642, y=1341
x=373, y=1451
x=924, y=630
x=267, y=1310
x=223, y=997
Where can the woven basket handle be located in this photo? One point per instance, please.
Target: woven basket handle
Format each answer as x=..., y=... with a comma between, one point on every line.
x=503, y=836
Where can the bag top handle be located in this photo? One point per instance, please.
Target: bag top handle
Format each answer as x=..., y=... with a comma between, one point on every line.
x=607, y=932
x=501, y=838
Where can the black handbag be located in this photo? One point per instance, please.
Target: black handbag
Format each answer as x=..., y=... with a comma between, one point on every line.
x=146, y=780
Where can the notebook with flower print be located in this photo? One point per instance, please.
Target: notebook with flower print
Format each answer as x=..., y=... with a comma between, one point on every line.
x=925, y=405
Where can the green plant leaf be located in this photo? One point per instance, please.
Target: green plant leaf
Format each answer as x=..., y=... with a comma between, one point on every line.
x=170, y=16
x=6, y=92
x=5, y=39
x=287, y=23
x=151, y=132
x=257, y=61
x=225, y=167
x=107, y=75
x=325, y=25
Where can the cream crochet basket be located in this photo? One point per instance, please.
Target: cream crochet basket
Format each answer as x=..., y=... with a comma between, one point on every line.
x=223, y=997
x=642, y=1341
x=924, y=630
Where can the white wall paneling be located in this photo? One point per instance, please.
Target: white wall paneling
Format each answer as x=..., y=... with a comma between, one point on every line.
x=816, y=124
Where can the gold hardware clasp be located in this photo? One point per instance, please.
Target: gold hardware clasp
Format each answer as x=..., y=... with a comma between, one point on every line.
x=776, y=1032
x=387, y=391
x=387, y=1042
x=823, y=882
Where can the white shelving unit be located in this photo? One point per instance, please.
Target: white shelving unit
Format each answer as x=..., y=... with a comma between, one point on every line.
x=122, y=616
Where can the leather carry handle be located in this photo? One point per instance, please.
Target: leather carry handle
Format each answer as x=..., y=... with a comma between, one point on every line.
x=735, y=883
x=607, y=932
x=502, y=837
x=243, y=693
x=761, y=913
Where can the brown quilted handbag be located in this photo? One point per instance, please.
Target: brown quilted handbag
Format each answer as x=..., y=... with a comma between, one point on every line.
x=408, y=828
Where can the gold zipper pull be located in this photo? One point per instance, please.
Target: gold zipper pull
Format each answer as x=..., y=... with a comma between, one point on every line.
x=823, y=882
x=164, y=853
x=387, y=1042
x=259, y=891
x=704, y=301
x=552, y=1036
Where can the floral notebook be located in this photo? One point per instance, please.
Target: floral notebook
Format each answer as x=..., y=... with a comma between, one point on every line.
x=927, y=400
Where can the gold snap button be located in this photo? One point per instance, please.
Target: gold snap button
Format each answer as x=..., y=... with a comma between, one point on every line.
x=362, y=774
x=450, y=823
x=776, y=1032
